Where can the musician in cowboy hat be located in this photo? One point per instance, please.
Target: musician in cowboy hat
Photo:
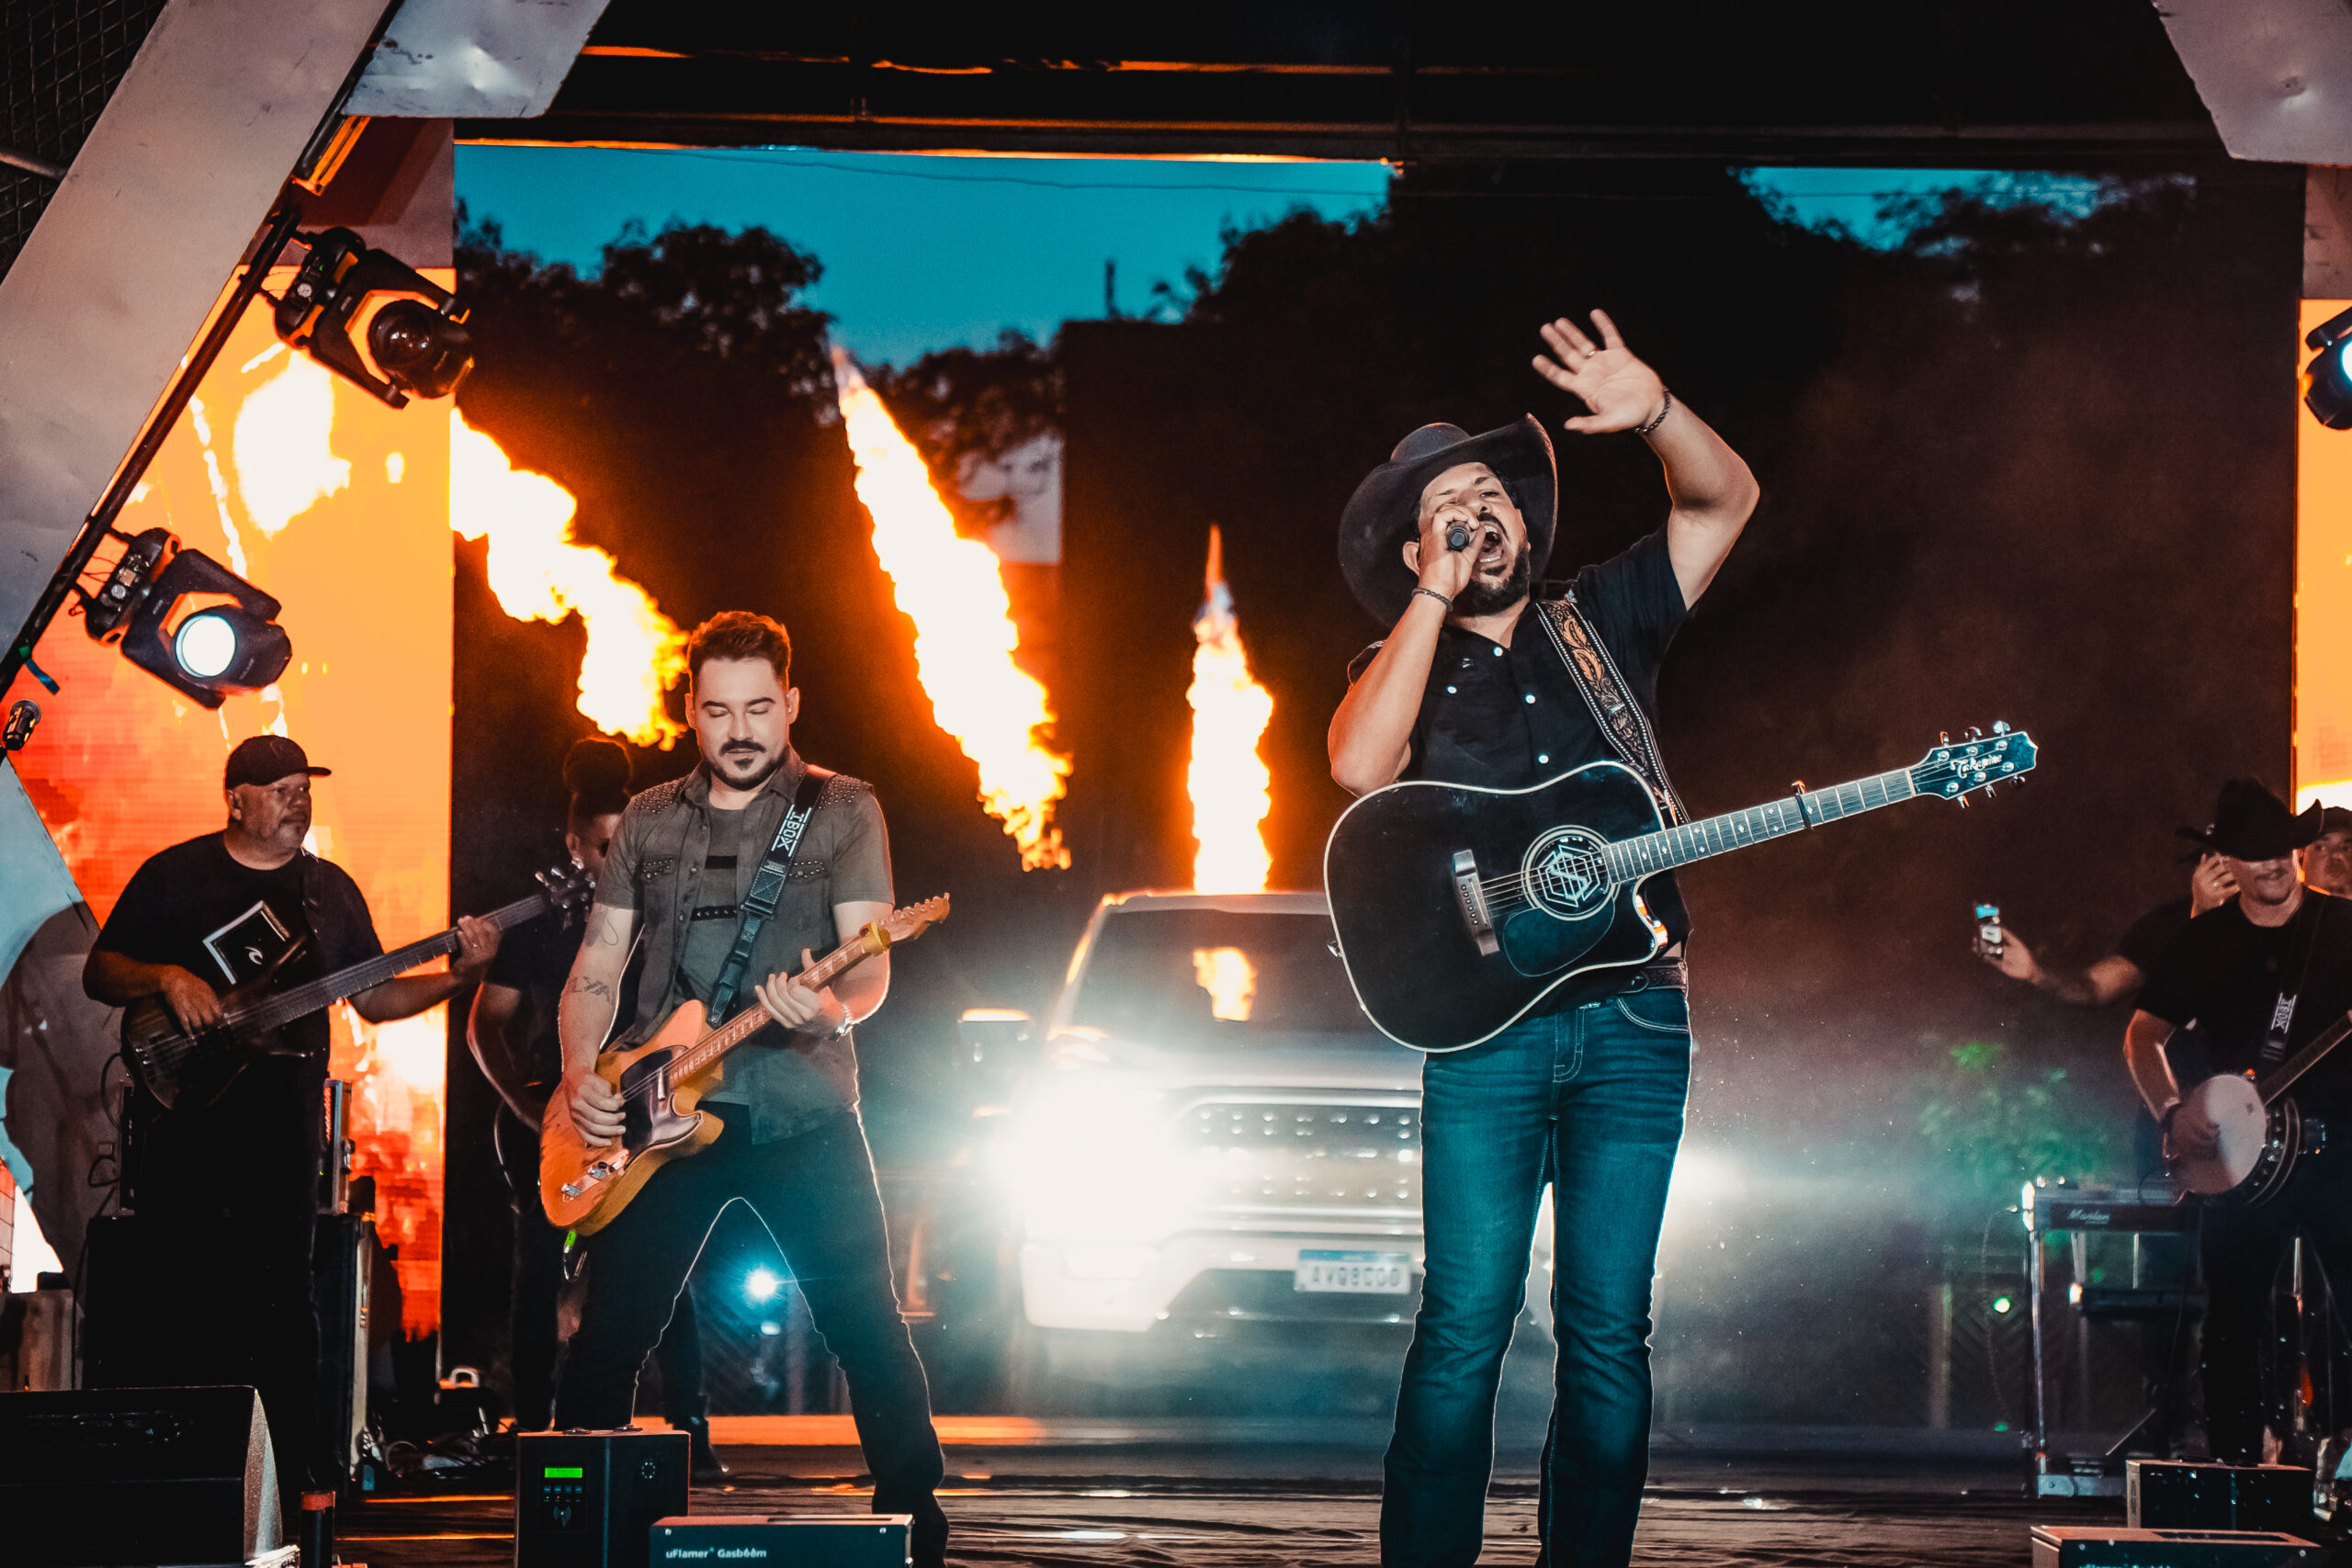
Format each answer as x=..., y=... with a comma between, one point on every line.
x=1443, y=545
x=2262, y=977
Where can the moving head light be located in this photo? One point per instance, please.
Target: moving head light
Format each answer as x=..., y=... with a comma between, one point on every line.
x=416, y=339
x=187, y=620
x=2327, y=380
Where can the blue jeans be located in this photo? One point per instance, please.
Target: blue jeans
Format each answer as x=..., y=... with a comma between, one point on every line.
x=1589, y=1100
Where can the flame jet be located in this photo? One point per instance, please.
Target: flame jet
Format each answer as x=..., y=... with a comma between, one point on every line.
x=965, y=638
x=1228, y=780
x=539, y=573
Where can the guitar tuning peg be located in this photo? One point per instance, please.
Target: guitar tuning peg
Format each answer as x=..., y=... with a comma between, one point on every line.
x=1943, y=737
x=2000, y=727
x=1975, y=733
x=1963, y=802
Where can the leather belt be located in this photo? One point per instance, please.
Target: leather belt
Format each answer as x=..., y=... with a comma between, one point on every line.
x=1661, y=974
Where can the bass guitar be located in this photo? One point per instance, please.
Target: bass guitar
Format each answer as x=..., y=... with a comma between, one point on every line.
x=178, y=1068
x=2261, y=1129
x=1459, y=908
x=584, y=1186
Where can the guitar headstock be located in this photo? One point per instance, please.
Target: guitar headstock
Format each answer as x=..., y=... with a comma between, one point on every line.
x=1954, y=769
x=905, y=923
x=569, y=889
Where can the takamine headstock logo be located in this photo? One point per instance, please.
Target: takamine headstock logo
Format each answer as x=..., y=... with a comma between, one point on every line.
x=1956, y=768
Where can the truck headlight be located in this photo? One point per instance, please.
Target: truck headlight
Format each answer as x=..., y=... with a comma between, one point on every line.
x=1089, y=1157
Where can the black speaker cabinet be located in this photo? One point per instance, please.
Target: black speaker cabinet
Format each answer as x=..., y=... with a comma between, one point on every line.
x=113, y=1478
x=2174, y=1495
x=804, y=1540
x=591, y=1499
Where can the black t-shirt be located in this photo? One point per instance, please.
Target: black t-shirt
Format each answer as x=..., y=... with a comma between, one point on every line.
x=2145, y=941
x=2225, y=973
x=535, y=959
x=196, y=906
x=1508, y=717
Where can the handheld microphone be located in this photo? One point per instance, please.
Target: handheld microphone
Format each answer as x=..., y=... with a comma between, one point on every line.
x=1457, y=537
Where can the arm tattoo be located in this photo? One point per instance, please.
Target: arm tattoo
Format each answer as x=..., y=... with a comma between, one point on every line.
x=588, y=987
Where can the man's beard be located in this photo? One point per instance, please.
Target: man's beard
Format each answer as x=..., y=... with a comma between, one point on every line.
x=1482, y=598
x=768, y=768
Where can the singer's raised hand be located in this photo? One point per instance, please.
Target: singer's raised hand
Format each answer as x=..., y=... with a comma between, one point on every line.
x=1622, y=392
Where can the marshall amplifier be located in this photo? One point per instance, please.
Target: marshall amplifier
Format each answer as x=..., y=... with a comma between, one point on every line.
x=801, y=1540
x=590, y=1499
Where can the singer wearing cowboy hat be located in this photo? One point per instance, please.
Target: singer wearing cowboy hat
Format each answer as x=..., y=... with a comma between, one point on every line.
x=1445, y=546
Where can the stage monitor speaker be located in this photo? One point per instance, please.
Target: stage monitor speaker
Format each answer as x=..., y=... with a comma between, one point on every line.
x=109, y=1478
x=2067, y=1547
x=590, y=1499
x=2178, y=1495
x=802, y=1541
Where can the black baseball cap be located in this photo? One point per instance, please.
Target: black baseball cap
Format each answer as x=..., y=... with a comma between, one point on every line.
x=266, y=758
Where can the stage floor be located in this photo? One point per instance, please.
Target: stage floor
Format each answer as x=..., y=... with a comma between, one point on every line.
x=1222, y=1492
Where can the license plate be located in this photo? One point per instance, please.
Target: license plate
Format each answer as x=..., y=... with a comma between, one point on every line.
x=1354, y=1273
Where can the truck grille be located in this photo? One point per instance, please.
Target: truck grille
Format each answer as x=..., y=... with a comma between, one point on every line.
x=1297, y=1155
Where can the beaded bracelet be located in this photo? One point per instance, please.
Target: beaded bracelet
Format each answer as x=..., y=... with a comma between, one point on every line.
x=1663, y=408
x=1434, y=594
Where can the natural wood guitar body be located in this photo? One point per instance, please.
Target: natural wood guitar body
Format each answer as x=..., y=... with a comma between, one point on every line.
x=577, y=1200
x=582, y=1185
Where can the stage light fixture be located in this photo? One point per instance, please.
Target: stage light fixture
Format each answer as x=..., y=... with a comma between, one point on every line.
x=416, y=339
x=187, y=620
x=2327, y=379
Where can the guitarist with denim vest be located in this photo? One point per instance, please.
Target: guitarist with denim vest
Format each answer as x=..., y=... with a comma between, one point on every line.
x=680, y=879
x=1442, y=543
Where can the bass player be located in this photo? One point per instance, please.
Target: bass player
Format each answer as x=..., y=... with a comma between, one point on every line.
x=232, y=1188
x=687, y=858
x=1588, y=1092
x=2260, y=976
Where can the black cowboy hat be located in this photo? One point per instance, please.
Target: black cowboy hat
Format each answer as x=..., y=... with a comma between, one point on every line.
x=1384, y=512
x=2252, y=824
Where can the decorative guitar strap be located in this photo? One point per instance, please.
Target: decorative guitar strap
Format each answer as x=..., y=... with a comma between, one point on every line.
x=767, y=887
x=1621, y=718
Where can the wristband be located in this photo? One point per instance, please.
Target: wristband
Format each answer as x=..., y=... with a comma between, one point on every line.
x=1433, y=593
x=1664, y=408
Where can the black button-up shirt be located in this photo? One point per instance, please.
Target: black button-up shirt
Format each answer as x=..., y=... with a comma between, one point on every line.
x=1508, y=717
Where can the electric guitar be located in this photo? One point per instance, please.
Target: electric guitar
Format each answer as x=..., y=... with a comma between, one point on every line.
x=1458, y=909
x=178, y=1068
x=584, y=1186
x=2261, y=1129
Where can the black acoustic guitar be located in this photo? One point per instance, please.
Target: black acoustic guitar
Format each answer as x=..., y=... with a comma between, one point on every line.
x=1459, y=908
x=178, y=1068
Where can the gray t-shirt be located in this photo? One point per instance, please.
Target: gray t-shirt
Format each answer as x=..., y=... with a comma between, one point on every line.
x=669, y=860
x=710, y=929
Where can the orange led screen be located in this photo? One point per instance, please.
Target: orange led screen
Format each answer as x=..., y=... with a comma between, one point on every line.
x=338, y=506
x=2322, y=596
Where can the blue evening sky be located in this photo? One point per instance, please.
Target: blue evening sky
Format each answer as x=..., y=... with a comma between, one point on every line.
x=923, y=253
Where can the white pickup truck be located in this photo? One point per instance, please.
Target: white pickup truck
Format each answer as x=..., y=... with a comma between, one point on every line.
x=1201, y=1157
